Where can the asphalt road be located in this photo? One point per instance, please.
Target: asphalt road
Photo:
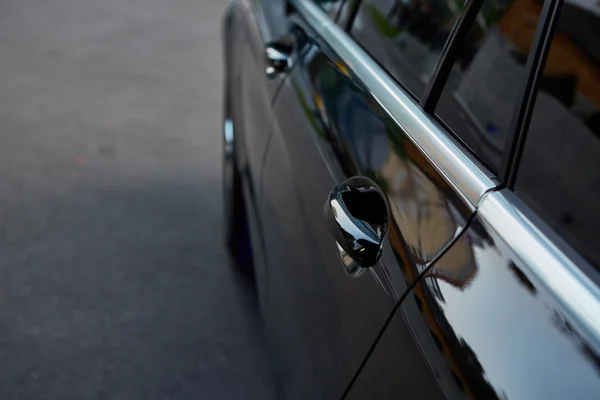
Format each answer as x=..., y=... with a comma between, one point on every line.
x=113, y=279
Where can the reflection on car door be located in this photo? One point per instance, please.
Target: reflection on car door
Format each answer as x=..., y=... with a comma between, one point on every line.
x=510, y=310
x=319, y=320
x=328, y=127
x=254, y=24
x=498, y=329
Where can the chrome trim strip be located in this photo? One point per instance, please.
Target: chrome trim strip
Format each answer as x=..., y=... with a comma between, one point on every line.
x=458, y=170
x=512, y=231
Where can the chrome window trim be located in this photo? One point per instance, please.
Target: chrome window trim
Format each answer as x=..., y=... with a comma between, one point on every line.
x=457, y=168
x=513, y=232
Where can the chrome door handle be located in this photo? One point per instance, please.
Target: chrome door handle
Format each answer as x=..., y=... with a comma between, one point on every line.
x=279, y=54
x=278, y=57
x=357, y=216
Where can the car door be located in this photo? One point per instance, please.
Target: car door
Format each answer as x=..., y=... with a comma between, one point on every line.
x=252, y=24
x=338, y=116
x=512, y=308
x=522, y=324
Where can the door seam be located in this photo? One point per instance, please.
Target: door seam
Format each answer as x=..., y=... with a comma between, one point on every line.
x=408, y=290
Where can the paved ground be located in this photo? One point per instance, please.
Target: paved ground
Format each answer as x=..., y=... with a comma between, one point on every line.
x=113, y=279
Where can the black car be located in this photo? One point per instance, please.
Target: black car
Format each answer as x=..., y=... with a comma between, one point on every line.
x=415, y=187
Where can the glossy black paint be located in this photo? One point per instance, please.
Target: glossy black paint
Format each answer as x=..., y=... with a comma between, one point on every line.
x=249, y=27
x=487, y=329
x=319, y=320
x=475, y=324
x=328, y=128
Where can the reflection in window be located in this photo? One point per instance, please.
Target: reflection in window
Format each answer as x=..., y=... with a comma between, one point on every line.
x=481, y=95
x=559, y=174
x=331, y=7
x=406, y=37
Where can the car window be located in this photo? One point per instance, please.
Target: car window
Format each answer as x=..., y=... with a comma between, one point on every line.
x=559, y=173
x=406, y=37
x=331, y=7
x=485, y=83
x=347, y=12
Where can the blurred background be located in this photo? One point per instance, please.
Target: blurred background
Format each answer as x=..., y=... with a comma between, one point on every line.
x=114, y=282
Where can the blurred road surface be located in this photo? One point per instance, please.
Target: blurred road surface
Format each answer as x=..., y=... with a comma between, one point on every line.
x=113, y=280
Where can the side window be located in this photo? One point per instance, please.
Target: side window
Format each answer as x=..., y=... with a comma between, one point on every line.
x=347, y=12
x=406, y=37
x=559, y=173
x=331, y=7
x=480, y=97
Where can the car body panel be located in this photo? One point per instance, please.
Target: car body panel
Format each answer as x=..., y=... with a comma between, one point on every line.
x=489, y=326
x=328, y=128
x=462, y=314
x=320, y=321
x=249, y=27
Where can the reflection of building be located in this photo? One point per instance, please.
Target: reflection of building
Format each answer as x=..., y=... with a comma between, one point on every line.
x=488, y=104
x=418, y=206
x=455, y=363
x=575, y=48
x=421, y=210
x=570, y=74
x=405, y=173
x=457, y=267
x=565, y=130
x=406, y=37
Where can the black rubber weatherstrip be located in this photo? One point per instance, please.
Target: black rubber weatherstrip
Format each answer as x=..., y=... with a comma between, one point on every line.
x=535, y=65
x=399, y=303
x=353, y=13
x=338, y=13
x=453, y=46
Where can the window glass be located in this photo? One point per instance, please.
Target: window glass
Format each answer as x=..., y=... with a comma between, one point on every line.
x=348, y=9
x=331, y=7
x=406, y=37
x=483, y=88
x=559, y=174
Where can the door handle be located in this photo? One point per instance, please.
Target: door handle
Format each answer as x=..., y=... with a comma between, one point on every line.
x=278, y=57
x=357, y=216
x=279, y=54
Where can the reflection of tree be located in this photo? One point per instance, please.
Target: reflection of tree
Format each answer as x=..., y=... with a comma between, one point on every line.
x=307, y=111
x=476, y=376
x=470, y=356
x=328, y=87
x=466, y=369
x=565, y=327
x=382, y=23
x=522, y=278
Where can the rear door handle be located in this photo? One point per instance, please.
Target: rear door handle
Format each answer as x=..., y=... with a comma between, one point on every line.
x=357, y=217
x=278, y=58
x=279, y=54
